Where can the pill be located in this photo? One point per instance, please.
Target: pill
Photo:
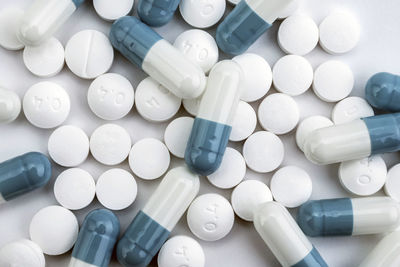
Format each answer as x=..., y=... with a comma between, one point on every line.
x=202, y=14
x=278, y=113
x=210, y=217
x=234, y=2
x=153, y=224
x=22, y=174
x=290, y=9
x=339, y=33
x=116, y=189
x=298, y=35
x=350, y=109
x=111, y=96
x=246, y=23
x=54, y=229
x=110, y=144
x=284, y=238
x=113, y=10
x=199, y=47
x=257, y=76
x=46, y=59
x=10, y=19
x=333, y=81
x=10, y=106
x=213, y=123
x=46, y=105
x=392, y=185
x=89, y=54
x=263, y=152
x=354, y=140
x=74, y=189
x=349, y=216
x=157, y=13
x=192, y=105
x=308, y=125
x=68, y=146
x=96, y=239
x=149, y=158
x=383, y=91
x=177, y=134
x=158, y=58
x=154, y=102
x=43, y=18
x=181, y=251
x=244, y=122
x=247, y=196
x=22, y=253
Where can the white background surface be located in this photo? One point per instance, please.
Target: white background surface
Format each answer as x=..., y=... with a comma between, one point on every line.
x=377, y=51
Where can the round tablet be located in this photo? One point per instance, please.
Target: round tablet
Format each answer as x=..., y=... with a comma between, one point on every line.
x=363, y=177
x=290, y=9
x=333, y=81
x=210, y=217
x=350, y=109
x=54, y=229
x=10, y=106
x=392, y=185
x=298, y=35
x=202, y=14
x=45, y=60
x=339, y=33
x=74, y=189
x=111, y=96
x=112, y=10
x=263, y=152
x=9, y=23
x=278, y=113
x=68, y=146
x=154, y=102
x=181, y=251
x=116, y=189
x=46, y=105
x=231, y=172
x=247, y=196
x=21, y=253
x=257, y=76
x=291, y=186
x=309, y=125
x=149, y=158
x=244, y=122
x=177, y=135
x=89, y=54
x=192, y=105
x=110, y=144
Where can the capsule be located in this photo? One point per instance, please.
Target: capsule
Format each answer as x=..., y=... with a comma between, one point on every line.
x=345, y=216
x=157, y=13
x=96, y=240
x=153, y=224
x=43, y=18
x=383, y=91
x=283, y=236
x=158, y=58
x=354, y=140
x=213, y=124
x=10, y=106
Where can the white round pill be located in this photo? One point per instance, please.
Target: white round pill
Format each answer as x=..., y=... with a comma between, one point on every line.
x=112, y=10
x=244, y=122
x=181, y=251
x=74, y=189
x=202, y=14
x=116, y=189
x=290, y=9
x=309, y=125
x=68, y=146
x=46, y=105
x=339, y=33
x=177, y=135
x=54, y=229
x=9, y=24
x=291, y=186
x=21, y=253
x=192, y=105
x=111, y=96
x=333, y=81
x=210, y=217
x=257, y=76
x=46, y=59
x=363, y=177
x=89, y=54
x=392, y=185
x=292, y=75
x=110, y=144
x=154, y=102
x=149, y=158
x=247, y=196
x=278, y=113
x=10, y=106
x=350, y=109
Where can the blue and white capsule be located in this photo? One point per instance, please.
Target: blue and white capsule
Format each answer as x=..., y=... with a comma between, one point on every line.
x=383, y=91
x=157, y=13
x=153, y=224
x=158, y=58
x=345, y=216
x=213, y=124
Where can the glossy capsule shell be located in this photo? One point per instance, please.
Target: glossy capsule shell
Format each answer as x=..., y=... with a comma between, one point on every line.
x=23, y=174
x=383, y=91
x=10, y=106
x=158, y=58
x=153, y=224
x=345, y=216
x=213, y=123
x=157, y=13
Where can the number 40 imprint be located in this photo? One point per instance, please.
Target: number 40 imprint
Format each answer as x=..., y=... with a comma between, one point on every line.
x=211, y=225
